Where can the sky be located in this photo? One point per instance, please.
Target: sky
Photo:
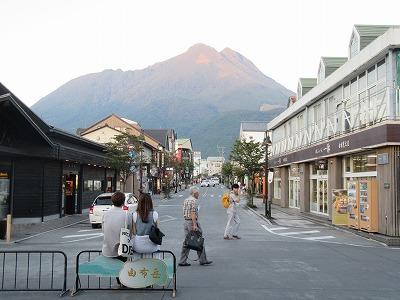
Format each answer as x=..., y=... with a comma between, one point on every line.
x=46, y=43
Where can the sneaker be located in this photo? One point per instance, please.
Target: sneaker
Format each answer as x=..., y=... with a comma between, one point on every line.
x=208, y=262
x=237, y=237
x=184, y=264
x=227, y=238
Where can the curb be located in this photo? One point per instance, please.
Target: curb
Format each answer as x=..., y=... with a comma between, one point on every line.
x=41, y=233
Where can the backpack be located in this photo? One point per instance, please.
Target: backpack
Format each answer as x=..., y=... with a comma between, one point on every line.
x=225, y=200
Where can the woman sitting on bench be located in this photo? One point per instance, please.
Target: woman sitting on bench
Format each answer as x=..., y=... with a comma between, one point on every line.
x=142, y=221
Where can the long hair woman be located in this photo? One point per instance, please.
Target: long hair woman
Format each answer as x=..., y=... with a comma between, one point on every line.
x=143, y=219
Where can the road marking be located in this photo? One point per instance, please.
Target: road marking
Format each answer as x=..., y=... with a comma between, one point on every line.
x=180, y=196
x=278, y=228
x=212, y=196
x=319, y=238
x=84, y=239
x=299, y=232
x=169, y=218
x=81, y=235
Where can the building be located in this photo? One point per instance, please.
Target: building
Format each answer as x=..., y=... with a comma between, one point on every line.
x=214, y=165
x=343, y=133
x=197, y=163
x=46, y=173
x=184, y=153
x=203, y=168
x=253, y=131
x=147, y=179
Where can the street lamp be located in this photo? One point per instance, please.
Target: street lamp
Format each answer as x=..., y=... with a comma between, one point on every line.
x=267, y=143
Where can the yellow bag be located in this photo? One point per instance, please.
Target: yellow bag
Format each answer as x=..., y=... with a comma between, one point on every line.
x=225, y=200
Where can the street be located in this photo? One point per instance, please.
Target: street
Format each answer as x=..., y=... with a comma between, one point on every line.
x=289, y=259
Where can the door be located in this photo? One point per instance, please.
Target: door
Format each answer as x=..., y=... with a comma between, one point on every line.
x=323, y=196
x=70, y=193
x=294, y=193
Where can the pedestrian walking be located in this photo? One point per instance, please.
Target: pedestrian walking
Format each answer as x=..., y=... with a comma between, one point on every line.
x=113, y=220
x=232, y=226
x=191, y=223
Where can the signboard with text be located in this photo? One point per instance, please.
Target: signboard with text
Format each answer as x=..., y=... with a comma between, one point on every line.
x=144, y=272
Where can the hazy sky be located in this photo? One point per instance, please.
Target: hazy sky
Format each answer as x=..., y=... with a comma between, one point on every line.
x=44, y=44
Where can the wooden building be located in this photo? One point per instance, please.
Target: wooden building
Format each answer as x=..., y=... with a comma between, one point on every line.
x=45, y=173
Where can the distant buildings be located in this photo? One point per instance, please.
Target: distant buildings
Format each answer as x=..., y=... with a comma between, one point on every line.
x=214, y=165
x=197, y=163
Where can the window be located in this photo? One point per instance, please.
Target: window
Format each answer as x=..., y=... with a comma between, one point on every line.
x=97, y=185
x=88, y=186
x=381, y=70
x=347, y=164
x=277, y=188
x=346, y=91
x=354, y=46
x=362, y=82
x=353, y=87
x=317, y=112
x=364, y=163
x=371, y=75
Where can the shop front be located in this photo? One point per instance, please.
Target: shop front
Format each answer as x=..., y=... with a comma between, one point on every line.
x=319, y=187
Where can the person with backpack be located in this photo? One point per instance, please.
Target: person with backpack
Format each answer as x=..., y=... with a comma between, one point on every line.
x=232, y=226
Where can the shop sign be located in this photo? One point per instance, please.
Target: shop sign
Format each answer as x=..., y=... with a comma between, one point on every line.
x=144, y=272
x=321, y=164
x=270, y=176
x=294, y=171
x=383, y=159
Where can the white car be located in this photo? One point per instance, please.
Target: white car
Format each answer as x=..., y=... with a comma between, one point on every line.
x=205, y=183
x=103, y=203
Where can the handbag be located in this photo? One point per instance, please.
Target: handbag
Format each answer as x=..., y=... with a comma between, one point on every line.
x=125, y=248
x=194, y=241
x=156, y=235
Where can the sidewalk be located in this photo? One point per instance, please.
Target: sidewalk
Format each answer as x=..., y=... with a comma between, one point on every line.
x=24, y=231
x=293, y=217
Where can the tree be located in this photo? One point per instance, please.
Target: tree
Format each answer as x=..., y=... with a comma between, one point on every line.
x=248, y=156
x=125, y=154
x=227, y=172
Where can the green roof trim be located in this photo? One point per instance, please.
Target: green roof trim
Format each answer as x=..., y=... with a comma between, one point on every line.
x=334, y=62
x=308, y=82
x=371, y=30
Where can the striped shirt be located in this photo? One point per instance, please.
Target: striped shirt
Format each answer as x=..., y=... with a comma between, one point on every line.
x=189, y=206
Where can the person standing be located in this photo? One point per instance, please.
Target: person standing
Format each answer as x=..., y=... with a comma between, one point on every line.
x=113, y=220
x=190, y=214
x=232, y=226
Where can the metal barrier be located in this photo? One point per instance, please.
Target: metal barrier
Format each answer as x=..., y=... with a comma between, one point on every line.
x=33, y=271
x=87, y=282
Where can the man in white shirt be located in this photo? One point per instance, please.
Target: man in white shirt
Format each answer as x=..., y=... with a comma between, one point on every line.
x=113, y=220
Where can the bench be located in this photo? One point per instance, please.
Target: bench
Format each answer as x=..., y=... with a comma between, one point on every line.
x=101, y=266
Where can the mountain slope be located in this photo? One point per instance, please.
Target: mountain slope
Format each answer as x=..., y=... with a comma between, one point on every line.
x=185, y=92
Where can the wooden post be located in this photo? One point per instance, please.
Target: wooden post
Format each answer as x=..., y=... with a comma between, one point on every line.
x=8, y=232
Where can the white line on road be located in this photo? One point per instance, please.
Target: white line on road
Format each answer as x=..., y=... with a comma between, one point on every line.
x=180, y=196
x=277, y=228
x=299, y=232
x=169, y=218
x=87, y=238
x=81, y=235
x=212, y=196
x=319, y=238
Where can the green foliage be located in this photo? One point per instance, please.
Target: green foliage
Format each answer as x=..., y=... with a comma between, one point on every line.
x=248, y=156
x=125, y=153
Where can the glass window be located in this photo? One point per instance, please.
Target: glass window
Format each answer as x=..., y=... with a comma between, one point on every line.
x=371, y=75
x=347, y=164
x=353, y=86
x=97, y=185
x=362, y=82
x=381, y=70
x=364, y=163
x=346, y=91
x=88, y=186
x=277, y=188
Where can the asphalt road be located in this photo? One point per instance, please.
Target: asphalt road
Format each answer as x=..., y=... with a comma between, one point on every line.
x=291, y=259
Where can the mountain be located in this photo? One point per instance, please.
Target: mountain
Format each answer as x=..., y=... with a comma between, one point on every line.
x=190, y=92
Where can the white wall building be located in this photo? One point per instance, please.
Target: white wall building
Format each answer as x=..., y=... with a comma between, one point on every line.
x=214, y=165
x=197, y=163
x=253, y=131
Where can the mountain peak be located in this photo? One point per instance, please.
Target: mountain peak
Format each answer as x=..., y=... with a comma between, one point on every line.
x=201, y=47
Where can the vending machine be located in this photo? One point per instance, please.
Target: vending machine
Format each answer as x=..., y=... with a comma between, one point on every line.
x=353, y=212
x=368, y=205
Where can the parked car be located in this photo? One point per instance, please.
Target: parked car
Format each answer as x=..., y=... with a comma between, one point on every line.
x=103, y=203
x=215, y=180
x=205, y=182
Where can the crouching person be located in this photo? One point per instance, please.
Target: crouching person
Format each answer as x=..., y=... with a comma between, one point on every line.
x=113, y=220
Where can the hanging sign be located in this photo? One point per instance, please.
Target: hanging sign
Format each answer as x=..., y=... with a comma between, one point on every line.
x=144, y=272
x=321, y=164
x=270, y=176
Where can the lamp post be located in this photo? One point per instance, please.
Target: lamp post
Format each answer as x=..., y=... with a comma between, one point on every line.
x=267, y=143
